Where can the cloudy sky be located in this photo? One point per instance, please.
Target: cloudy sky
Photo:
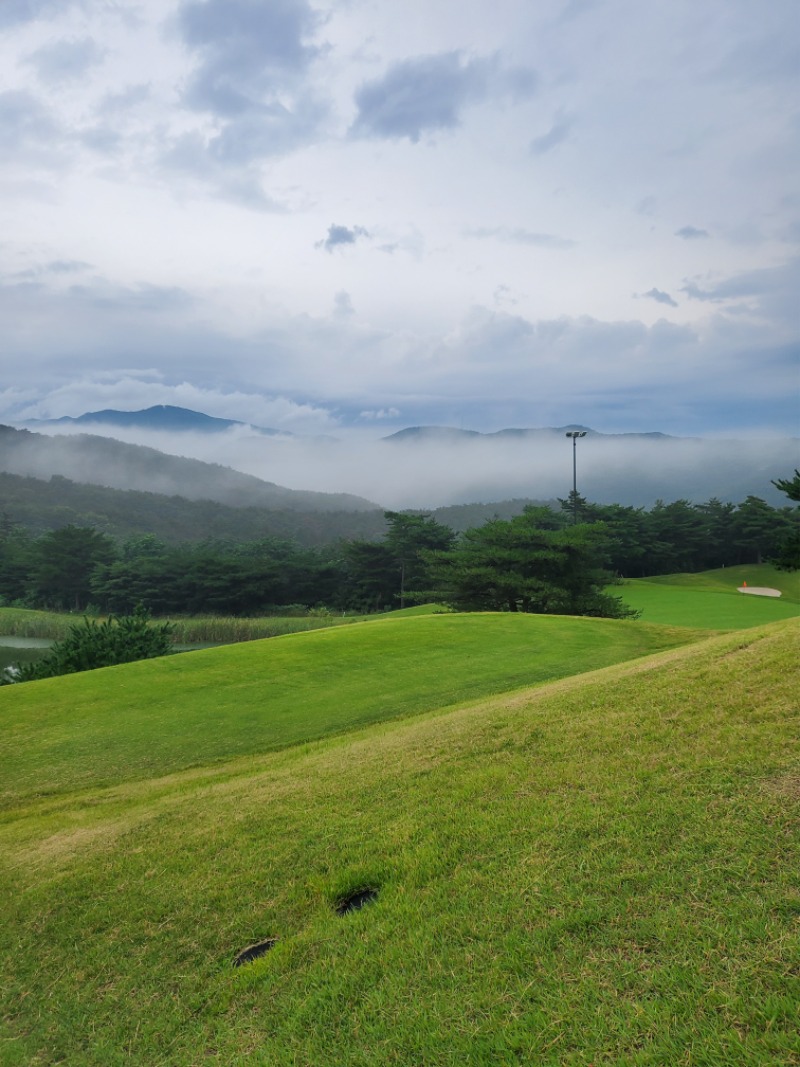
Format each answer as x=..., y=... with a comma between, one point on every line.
x=328, y=214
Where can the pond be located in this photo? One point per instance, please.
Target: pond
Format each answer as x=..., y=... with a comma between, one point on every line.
x=21, y=649
x=7, y=641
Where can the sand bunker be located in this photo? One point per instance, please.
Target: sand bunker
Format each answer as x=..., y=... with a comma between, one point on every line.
x=759, y=590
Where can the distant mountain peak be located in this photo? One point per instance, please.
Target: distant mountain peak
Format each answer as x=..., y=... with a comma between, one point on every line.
x=158, y=417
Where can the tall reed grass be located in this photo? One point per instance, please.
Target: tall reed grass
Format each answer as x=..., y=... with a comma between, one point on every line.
x=217, y=629
x=22, y=622
x=210, y=629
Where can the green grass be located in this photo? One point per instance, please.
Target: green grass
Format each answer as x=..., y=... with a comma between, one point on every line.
x=711, y=600
x=155, y=717
x=600, y=870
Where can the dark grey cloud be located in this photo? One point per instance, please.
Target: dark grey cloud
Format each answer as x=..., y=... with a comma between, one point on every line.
x=520, y=83
x=429, y=93
x=197, y=161
x=574, y=9
x=247, y=49
x=67, y=266
x=144, y=298
x=125, y=100
x=691, y=233
x=557, y=133
x=251, y=77
x=66, y=60
x=58, y=334
x=54, y=267
x=661, y=297
x=32, y=135
x=27, y=128
x=769, y=291
x=270, y=129
x=102, y=139
x=17, y=12
x=770, y=52
x=749, y=284
x=343, y=305
x=790, y=233
x=341, y=235
x=521, y=236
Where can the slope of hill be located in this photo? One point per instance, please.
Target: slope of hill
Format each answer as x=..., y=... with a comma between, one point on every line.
x=183, y=711
x=105, y=461
x=599, y=870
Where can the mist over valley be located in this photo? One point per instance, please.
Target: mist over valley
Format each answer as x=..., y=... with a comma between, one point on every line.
x=419, y=467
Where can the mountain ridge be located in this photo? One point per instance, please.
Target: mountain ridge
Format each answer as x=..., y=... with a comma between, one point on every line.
x=104, y=461
x=175, y=419
x=444, y=433
x=158, y=417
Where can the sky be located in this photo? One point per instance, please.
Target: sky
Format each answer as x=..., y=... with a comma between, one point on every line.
x=350, y=216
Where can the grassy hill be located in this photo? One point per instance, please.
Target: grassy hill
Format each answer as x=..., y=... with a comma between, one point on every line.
x=602, y=868
x=155, y=717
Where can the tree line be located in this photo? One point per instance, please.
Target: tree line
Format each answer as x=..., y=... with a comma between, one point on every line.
x=546, y=559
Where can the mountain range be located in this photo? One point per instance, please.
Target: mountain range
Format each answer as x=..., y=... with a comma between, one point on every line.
x=449, y=434
x=171, y=419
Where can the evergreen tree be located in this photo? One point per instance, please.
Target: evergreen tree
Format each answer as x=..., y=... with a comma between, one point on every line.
x=787, y=554
x=517, y=565
x=64, y=563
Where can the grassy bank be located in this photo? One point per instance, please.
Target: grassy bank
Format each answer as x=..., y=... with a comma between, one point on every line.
x=599, y=870
x=158, y=716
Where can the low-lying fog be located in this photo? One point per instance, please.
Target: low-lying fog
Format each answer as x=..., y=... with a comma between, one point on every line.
x=415, y=472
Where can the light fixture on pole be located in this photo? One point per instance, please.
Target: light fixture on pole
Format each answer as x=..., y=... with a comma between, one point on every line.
x=575, y=434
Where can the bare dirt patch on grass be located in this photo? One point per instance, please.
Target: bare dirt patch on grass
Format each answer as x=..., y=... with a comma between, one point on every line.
x=786, y=785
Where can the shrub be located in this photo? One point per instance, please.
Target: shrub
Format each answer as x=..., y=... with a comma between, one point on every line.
x=91, y=644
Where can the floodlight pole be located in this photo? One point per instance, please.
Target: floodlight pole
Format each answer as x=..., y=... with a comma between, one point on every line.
x=575, y=434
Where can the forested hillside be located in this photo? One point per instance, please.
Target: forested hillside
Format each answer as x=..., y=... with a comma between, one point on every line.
x=39, y=505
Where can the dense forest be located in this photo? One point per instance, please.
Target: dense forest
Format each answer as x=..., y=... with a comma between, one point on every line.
x=527, y=562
